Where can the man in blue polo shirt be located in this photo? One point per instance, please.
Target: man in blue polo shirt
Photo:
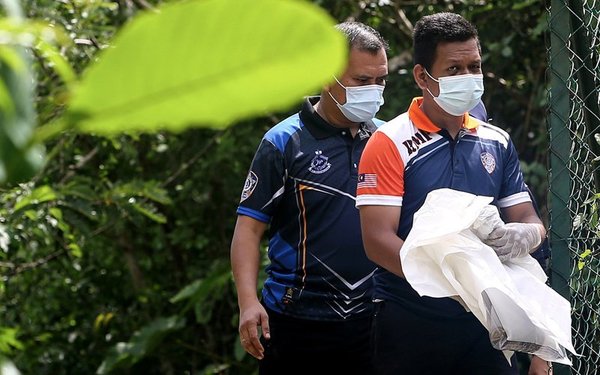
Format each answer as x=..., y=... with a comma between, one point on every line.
x=436, y=144
x=314, y=314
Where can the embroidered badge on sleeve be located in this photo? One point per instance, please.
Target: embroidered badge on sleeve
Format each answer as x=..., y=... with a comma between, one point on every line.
x=249, y=185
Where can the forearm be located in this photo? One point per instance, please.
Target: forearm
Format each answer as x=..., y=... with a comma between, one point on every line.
x=245, y=262
x=379, y=227
x=385, y=252
x=245, y=259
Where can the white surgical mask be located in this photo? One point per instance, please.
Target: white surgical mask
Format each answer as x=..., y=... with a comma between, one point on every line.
x=458, y=94
x=362, y=102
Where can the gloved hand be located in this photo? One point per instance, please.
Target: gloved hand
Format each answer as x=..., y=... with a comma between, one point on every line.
x=488, y=220
x=514, y=240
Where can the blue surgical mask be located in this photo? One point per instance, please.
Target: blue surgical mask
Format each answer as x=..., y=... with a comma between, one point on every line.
x=362, y=102
x=458, y=94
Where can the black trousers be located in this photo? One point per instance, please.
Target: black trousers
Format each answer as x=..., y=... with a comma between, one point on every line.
x=310, y=347
x=405, y=343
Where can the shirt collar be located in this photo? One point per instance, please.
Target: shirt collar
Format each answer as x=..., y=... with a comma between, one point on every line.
x=420, y=119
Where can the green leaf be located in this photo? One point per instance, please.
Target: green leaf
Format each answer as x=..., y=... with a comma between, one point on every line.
x=75, y=250
x=146, y=189
x=59, y=63
x=41, y=194
x=81, y=188
x=9, y=340
x=11, y=57
x=521, y=5
x=102, y=320
x=200, y=293
x=127, y=194
x=188, y=291
x=142, y=343
x=6, y=103
x=20, y=156
x=581, y=262
x=18, y=159
x=149, y=211
x=207, y=63
x=199, y=290
x=40, y=36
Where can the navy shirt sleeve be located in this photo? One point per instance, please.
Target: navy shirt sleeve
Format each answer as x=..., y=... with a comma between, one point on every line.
x=264, y=183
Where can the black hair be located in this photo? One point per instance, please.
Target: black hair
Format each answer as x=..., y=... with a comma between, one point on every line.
x=362, y=37
x=438, y=28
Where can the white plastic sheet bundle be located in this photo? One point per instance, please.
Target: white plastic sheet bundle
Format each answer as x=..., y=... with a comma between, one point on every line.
x=442, y=257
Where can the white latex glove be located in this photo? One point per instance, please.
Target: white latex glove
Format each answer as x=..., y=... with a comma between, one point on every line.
x=514, y=240
x=486, y=222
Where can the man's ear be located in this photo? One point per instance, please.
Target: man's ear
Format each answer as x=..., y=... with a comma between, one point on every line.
x=420, y=76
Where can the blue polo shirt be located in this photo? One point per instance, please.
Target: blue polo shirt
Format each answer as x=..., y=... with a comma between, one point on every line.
x=303, y=182
x=409, y=156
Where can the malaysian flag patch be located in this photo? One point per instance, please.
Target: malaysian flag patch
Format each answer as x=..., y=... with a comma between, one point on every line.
x=367, y=180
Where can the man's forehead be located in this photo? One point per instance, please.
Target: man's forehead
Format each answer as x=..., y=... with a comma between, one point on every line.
x=457, y=51
x=367, y=64
x=467, y=45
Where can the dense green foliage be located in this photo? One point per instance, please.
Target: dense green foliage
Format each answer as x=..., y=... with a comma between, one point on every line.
x=116, y=254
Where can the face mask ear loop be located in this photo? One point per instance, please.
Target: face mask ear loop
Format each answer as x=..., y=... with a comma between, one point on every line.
x=329, y=91
x=339, y=83
x=435, y=80
x=336, y=102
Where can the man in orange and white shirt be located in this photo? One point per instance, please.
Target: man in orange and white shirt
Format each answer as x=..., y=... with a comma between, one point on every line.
x=436, y=144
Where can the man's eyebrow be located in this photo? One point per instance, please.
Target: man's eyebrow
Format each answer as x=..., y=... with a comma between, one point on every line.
x=364, y=76
x=452, y=60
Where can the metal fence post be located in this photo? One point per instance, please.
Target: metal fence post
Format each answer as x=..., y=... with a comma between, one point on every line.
x=560, y=146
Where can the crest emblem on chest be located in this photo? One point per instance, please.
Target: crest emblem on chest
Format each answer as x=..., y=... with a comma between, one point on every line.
x=488, y=161
x=320, y=163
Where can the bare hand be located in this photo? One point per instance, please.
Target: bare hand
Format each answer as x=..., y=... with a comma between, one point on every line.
x=539, y=367
x=253, y=320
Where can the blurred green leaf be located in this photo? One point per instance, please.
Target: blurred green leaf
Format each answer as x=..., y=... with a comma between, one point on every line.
x=146, y=189
x=10, y=57
x=149, y=211
x=75, y=250
x=6, y=103
x=201, y=293
x=9, y=340
x=41, y=194
x=55, y=59
x=142, y=343
x=20, y=159
x=205, y=63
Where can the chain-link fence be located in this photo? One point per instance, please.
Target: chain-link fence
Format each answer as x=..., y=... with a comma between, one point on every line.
x=574, y=199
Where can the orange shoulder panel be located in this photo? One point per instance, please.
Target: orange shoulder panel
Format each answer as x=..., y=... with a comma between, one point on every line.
x=381, y=169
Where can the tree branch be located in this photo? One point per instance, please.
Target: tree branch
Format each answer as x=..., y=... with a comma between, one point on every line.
x=17, y=269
